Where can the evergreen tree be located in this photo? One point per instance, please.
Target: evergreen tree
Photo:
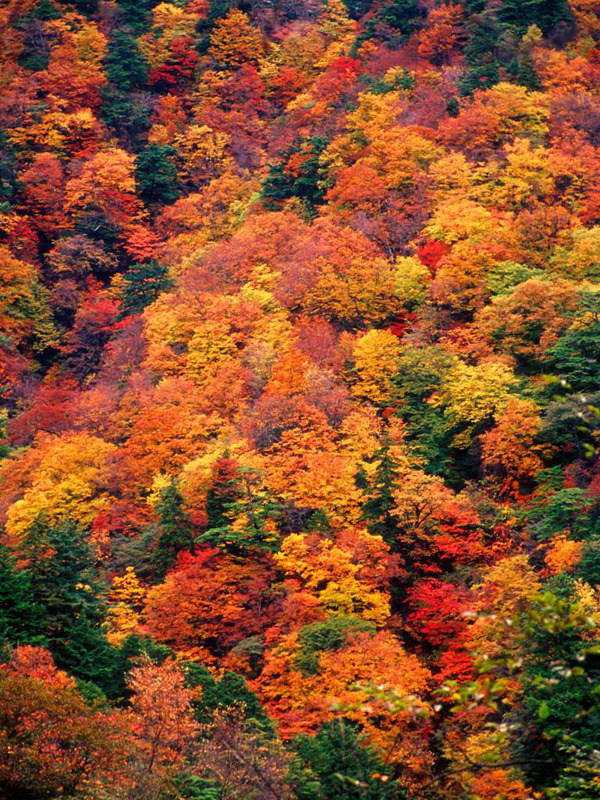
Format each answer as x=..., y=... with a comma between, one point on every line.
x=156, y=174
x=205, y=24
x=337, y=765
x=401, y=15
x=22, y=619
x=526, y=73
x=520, y=14
x=224, y=490
x=88, y=7
x=125, y=67
x=4, y=446
x=357, y=8
x=330, y=634
x=307, y=184
x=46, y=10
x=59, y=564
x=137, y=14
x=482, y=52
x=588, y=569
x=8, y=168
x=245, y=513
x=561, y=684
x=419, y=375
x=576, y=355
x=127, y=73
x=35, y=55
x=226, y=692
x=176, y=529
x=130, y=117
x=377, y=509
x=394, y=21
x=142, y=285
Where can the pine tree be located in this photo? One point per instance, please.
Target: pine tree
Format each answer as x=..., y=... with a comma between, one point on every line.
x=22, y=619
x=482, y=52
x=520, y=14
x=526, y=73
x=137, y=14
x=142, y=285
x=337, y=765
x=231, y=690
x=245, y=513
x=176, y=529
x=46, y=10
x=306, y=183
x=394, y=21
x=377, y=509
x=156, y=174
x=576, y=355
x=224, y=491
x=125, y=67
x=127, y=73
x=59, y=565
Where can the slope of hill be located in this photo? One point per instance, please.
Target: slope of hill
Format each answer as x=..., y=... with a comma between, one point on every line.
x=299, y=354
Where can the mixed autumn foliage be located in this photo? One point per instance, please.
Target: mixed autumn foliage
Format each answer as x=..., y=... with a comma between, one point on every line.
x=300, y=377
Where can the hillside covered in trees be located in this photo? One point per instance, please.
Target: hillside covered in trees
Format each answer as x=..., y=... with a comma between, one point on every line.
x=300, y=379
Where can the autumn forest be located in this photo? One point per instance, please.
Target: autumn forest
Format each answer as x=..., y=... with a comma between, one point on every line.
x=300, y=400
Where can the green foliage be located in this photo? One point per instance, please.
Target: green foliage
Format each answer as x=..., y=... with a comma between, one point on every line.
x=241, y=514
x=394, y=21
x=561, y=691
x=88, y=7
x=377, y=508
x=128, y=116
x=571, y=423
x=224, y=491
x=46, y=10
x=35, y=55
x=336, y=764
x=156, y=174
x=503, y=278
x=520, y=14
x=526, y=73
x=420, y=373
x=137, y=14
x=94, y=224
x=4, y=446
x=357, y=8
x=588, y=569
x=191, y=787
x=60, y=569
x=331, y=634
x=568, y=508
x=142, y=285
x=176, y=529
x=482, y=53
x=205, y=24
x=576, y=355
x=453, y=107
x=125, y=67
x=305, y=183
x=8, y=167
x=22, y=619
x=404, y=79
x=229, y=691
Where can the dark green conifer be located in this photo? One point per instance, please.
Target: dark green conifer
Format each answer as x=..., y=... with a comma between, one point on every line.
x=22, y=619
x=142, y=285
x=60, y=566
x=337, y=764
x=176, y=529
x=156, y=174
